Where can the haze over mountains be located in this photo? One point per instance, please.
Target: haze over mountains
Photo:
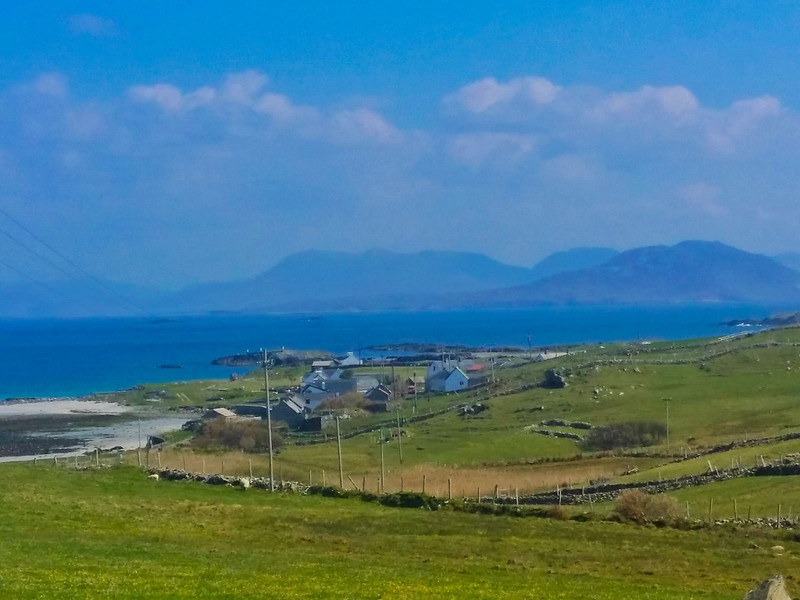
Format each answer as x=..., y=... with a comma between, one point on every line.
x=320, y=281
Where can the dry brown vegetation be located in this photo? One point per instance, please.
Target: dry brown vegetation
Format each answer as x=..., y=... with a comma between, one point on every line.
x=464, y=481
x=636, y=506
x=247, y=435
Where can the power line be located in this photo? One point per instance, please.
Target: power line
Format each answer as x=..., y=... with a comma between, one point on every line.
x=28, y=277
x=112, y=295
x=38, y=282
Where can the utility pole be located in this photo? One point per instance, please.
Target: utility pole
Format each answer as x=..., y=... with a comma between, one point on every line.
x=415, y=392
x=339, y=448
x=667, y=400
x=399, y=436
x=380, y=443
x=269, y=424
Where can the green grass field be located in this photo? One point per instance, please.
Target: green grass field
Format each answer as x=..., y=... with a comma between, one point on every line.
x=113, y=533
x=719, y=391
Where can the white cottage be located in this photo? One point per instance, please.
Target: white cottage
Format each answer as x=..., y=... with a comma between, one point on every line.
x=454, y=380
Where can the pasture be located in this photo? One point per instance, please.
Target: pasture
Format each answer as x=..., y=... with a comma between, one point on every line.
x=101, y=533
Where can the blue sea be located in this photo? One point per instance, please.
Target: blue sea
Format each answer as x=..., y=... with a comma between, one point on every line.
x=56, y=358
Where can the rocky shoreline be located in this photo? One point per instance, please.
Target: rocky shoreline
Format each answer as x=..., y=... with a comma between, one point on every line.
x=786, y=319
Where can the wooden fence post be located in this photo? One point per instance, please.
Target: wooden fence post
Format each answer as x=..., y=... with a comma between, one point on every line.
x=250, y=464
x=449, y=489
x=735, y=512
x=423, y=483
x=710, y=509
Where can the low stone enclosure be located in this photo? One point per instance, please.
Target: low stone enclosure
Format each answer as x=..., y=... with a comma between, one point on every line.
x=608, y=492
x=567, y=496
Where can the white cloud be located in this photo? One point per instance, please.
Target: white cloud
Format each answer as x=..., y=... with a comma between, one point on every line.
x=582, y=117
x=475, y=149
x=242, y=88
x=488, y=94
x=703, y=197
x=48, y=84
x=284, y=111
x=362, y=125
x=247, y=91
x=726, y=128
x=163, y=94
x=93, y=25
x=572, y=168
x=208, y=166
x=674, y=101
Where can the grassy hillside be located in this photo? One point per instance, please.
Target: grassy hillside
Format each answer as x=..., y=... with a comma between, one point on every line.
x=114, y=533
x=718, y=391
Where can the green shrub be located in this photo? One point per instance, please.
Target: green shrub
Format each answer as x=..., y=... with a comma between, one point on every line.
x=625, y=435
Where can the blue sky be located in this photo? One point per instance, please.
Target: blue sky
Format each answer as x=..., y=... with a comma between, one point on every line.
x=168, y=143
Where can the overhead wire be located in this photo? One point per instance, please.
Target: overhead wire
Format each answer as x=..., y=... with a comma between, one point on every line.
x=117, y=298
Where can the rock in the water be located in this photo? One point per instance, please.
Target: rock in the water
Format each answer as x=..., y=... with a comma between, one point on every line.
x=771, y=589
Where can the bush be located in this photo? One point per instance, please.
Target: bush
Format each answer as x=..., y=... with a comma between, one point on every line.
x=351, y=400
x=560, y=513
x=625, y=435
x=250, y=435
x=636, y=506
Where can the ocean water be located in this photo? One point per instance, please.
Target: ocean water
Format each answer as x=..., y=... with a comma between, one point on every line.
x=57, y=358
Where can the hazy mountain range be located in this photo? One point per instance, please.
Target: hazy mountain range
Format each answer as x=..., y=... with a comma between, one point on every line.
x=320, y=281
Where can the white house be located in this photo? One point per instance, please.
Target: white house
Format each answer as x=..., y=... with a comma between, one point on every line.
x=447, y=364
x=448, y=381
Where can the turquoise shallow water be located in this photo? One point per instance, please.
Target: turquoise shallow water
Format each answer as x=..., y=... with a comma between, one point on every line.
x=47, y=358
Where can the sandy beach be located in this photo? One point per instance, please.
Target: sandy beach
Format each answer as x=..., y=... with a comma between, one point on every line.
x=43, y=428
x=59, y=406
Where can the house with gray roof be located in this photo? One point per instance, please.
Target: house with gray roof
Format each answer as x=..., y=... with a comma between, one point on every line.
x=291, y=411
x=380, y=393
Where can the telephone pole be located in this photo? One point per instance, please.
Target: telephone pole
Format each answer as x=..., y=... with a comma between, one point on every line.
x=269, y=424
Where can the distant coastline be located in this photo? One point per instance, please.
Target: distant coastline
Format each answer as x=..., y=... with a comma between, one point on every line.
x=84, y=357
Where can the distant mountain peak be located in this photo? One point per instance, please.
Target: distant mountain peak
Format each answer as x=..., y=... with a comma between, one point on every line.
x=574, y=259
